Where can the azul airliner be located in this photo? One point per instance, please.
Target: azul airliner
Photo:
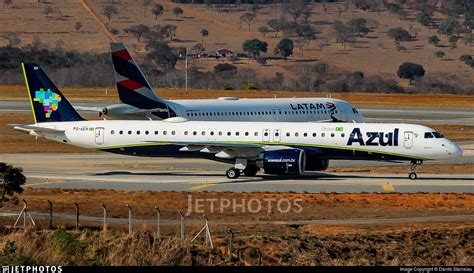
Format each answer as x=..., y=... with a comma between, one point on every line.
x=138, y=101
x=282, y=148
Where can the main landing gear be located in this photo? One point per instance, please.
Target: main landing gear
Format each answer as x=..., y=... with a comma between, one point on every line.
x=242, y=166
x=412, y=175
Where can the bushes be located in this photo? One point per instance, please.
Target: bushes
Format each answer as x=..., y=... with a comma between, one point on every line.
x=399, y=34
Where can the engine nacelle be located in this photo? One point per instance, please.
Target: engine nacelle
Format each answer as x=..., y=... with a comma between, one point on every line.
x=316, y=164
x=285, y=161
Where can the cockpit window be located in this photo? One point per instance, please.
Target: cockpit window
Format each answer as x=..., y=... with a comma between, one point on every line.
x=355, y=111
x=433, y=135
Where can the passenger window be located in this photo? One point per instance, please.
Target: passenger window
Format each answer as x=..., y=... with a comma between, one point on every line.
x=332, y=135
x=129, y=132
x=173, y=133
x=147, y=132
x=164, y=133
x=297, y=134
x=112, y=132
x=246, y=133
x=255, y=134
x=185, y=133
x=343, y=135
x=305, y=134
x=212, y=133
x=237, y=133
x=203, y=133
x=323, y=134
x=156, y=132
x=265, y=134
x=288, y=134
x=277, y=134
x=220, y=133
x=195, y=133
x=228, y=133
x=314, y=134
x=121, y=132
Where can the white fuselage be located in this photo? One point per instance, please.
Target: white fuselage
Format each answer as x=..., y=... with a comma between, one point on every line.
x=402, y=141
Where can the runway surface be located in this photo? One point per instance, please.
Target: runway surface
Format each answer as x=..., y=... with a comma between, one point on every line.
x=109, y=171
x=424, y=116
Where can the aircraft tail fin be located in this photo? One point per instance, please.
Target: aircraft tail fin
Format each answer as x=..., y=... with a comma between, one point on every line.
x=47, y=102
x=132, y=86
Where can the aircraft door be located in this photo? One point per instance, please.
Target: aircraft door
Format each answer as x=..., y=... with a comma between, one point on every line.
x=408, y=140
x=277, y=135
x=266, y=135
x=99, y=135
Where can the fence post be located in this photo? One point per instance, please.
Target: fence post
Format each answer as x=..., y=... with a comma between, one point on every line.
x=77, y=215
x=25, y=211
x=181, y=229
x=104, y=207
x=231, y=244
x=129, y=219
x=50, y=206
x=158, y=214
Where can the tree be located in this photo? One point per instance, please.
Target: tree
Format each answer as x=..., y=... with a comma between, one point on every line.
x=306, y=31
x=169, y=31
x=162, y=55
x=137, y=30
x=198, y=48
x=276, y=25
x=7, y=3
x=399, y=34
x=254, y=47
x=177, y=11
x=78, y=26
x=248, y=18
x=204, y=33
x=109, y=12
x=48, y=10
x=359, y=26
x=447, y=27
x=11, y=179
x=434, y=40
x=465, y=58
x=12, y=38
x=410, y=71
x=228, y=68
x=301, y=43
x=439, y=54
x=284, y=48
x=295, y=8
x=157, y=10
x=343, y=33
x=264, y=30
x=147, y=3
x=424, y=18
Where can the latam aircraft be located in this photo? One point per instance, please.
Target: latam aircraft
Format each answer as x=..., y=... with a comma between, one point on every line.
x=138, y=101
x=282, y=148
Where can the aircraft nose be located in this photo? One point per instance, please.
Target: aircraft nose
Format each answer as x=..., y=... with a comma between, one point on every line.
x=454, y=150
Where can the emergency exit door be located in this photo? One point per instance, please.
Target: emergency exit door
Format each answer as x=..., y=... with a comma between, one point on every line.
x=408, y=140
x=99, y=135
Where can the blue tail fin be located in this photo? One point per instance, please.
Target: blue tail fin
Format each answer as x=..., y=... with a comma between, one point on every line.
x=47, y=102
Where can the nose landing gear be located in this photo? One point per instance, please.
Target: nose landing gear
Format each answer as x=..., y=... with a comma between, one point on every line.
x=412, y=175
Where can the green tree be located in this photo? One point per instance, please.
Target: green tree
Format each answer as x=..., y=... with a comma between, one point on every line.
x=399, y=34
x=434, y=40
x=410, y=71
x=465, y=58
x=254, y=47
x=162, y=55
x=439, y=54
x=284, y=48
x=447, y=27
x=11, y=179
x=177, y=11
x=424, y=18
x=109, y=12
x=453, y=39
x=157, y=10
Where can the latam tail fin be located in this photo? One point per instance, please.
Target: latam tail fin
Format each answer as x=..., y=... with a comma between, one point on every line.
x=132, y=86
x=47, y=102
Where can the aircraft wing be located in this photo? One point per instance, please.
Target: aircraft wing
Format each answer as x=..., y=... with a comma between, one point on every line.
x=224, y=149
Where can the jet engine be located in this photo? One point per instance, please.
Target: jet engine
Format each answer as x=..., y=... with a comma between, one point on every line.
x=316, y=164
x=283, y=162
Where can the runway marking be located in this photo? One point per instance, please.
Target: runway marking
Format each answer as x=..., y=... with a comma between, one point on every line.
x=388, y=187
x=42, y=183
x=202, y=186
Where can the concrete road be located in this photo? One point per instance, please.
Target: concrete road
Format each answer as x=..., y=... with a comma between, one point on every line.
x=108, y=171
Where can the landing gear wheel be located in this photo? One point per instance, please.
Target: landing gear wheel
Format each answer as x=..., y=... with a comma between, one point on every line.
x=249, y=171
x=232, y=173
x=412, y=176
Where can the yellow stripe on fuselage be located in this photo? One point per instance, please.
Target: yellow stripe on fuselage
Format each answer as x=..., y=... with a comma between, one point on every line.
x=29, y=93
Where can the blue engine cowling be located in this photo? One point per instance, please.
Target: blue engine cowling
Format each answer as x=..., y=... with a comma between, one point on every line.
x=314, y=164
x=285, y=161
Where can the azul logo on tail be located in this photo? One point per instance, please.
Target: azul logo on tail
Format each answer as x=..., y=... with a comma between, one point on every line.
x=49, y=100
x=374, y=138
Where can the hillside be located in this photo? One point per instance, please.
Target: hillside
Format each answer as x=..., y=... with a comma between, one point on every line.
x=374, y=54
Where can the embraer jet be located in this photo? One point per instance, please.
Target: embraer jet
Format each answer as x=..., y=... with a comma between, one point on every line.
x=282, y=148
x=139, y=101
